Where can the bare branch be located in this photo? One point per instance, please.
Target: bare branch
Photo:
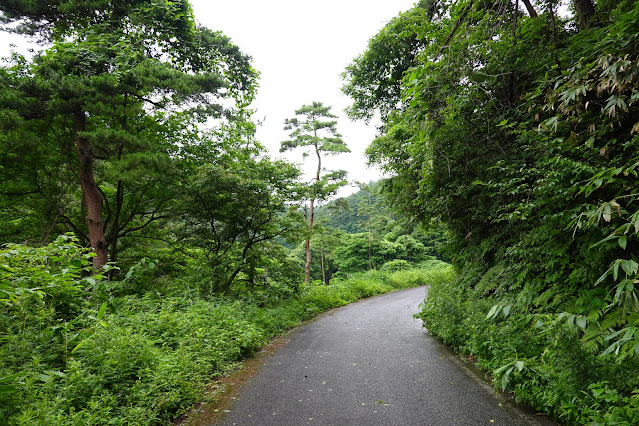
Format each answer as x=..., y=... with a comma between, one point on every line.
x=452, y=33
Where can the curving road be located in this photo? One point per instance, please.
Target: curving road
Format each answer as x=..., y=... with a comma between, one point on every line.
x=370, y=363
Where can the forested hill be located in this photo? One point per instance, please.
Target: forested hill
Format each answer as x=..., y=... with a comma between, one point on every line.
x=515, y=124
x=361, y=232
x=351, y=213
x=345, y=214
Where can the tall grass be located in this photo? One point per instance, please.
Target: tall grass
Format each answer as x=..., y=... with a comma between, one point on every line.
x=70, y=354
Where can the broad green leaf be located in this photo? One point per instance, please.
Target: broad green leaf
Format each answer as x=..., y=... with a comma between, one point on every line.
x=623, y=241
x=608, y=238
x=607, y=212
x=621, y=288
x=629, y=266
x=615, y=271
x=501, y=369
x=46, y=378
x=102, y=311
x=492, y=311
x=506, y=310
x=581, y=322
x=612, y=348
x=630, y=331
x=506, y=378
x=77, y=347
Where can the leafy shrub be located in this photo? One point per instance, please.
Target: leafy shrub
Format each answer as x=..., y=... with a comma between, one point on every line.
x=72, y=353
x=396, y=265
x=542, y=359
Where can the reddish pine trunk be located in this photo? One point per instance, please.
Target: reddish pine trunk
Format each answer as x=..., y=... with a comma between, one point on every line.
x=311, y=213
x=90, y=193
x=307, y=244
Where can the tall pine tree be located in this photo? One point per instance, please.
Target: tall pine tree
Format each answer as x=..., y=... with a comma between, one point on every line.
x=315, y=130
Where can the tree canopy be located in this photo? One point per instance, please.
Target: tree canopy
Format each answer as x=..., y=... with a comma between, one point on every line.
x=517, y=129
x=115, y=83
x=149, y=241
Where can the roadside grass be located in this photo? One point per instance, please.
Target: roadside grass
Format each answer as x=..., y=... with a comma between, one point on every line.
x=72, y=353
x=543, y=360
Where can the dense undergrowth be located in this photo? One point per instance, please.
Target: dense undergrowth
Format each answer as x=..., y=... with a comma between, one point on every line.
x=516, y=128
x=77, y=350
x=542, y=358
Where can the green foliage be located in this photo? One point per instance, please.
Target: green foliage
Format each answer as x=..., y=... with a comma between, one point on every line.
x=107, y=124
x=235, y=207
x=72, y=353
x=369, y=234
x=520, y=134
x=111, y=101
x=344, y=213
x=314, y=130
x=372, y=79
x=541, y=358
x=396, y=265
x=64, y=18
x=430, y=273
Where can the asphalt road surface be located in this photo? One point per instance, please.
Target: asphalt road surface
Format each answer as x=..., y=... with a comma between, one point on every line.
x=370, y=363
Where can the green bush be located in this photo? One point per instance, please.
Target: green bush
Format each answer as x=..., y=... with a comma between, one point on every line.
x=396, y=265
x=542, y=359
x=77, y=350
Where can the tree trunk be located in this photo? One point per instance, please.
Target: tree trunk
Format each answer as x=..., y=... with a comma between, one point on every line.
x=90, y=193
x=307, y=244
x=531, y=10
x=370, y=246
x=245, y=253
x=585, y=11
x=311, y=212
x=322, y=261
x=511, y=79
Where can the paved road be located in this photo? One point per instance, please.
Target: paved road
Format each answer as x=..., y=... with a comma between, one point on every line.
x=369, y=363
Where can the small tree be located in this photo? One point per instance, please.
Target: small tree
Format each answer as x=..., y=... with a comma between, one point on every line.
x=235, y=204
x=329, y=237
x=314, y=130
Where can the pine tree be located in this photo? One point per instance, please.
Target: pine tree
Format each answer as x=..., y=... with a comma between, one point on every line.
x=315, y=130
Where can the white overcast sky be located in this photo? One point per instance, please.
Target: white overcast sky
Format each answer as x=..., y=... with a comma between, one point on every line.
x=300, y=47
